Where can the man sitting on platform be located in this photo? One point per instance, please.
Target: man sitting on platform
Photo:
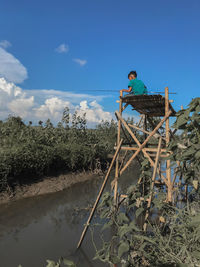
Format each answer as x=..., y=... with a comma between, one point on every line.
x=136, y=87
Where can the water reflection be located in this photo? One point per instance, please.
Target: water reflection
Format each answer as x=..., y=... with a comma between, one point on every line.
x=47, y=227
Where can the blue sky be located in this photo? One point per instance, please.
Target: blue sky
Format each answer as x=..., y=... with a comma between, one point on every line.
x=159, y=39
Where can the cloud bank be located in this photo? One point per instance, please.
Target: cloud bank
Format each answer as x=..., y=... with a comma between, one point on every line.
x=10, y=67
x=35, y=105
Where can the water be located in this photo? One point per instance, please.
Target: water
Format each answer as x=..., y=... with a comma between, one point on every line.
x=47, y=227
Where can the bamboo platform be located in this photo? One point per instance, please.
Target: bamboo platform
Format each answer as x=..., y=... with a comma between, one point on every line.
x=148, y=106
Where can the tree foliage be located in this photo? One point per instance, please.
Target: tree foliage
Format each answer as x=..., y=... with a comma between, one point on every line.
x=31, y=151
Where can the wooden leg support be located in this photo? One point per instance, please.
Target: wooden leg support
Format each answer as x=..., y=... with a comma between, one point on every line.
x=99, y=195
x=152, y=184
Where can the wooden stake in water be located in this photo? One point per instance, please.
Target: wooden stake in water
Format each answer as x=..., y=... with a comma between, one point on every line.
x=99, y=195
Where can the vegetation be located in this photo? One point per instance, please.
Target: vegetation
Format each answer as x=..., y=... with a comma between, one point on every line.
x=173, y=234
x=61, y=263
x=28, y=152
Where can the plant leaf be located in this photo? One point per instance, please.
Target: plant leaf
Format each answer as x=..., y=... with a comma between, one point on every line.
x=123, y=247
x=139, y=211
x=69, y=263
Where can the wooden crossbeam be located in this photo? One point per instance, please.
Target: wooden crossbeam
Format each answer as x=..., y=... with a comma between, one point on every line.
x=141, y=146
x=130, y=145
x=156, y=135
x=148, y=149
x=125, y=106
x=151, y=122
x=161, y=155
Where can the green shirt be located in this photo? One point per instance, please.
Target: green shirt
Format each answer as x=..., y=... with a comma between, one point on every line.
x=138, y=87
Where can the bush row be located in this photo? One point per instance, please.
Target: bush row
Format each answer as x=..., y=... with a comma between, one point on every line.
x=29, y=151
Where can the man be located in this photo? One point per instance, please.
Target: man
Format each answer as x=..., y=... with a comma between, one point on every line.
x=136, y=87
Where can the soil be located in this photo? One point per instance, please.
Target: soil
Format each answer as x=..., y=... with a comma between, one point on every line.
x=46, y=185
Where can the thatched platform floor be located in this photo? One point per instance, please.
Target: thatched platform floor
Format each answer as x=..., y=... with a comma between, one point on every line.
x=151, y=105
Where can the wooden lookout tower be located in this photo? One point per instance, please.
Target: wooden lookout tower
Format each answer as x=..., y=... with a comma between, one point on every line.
x=149, y=107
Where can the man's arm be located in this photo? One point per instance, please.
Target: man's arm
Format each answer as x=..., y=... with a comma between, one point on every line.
x=127, y=90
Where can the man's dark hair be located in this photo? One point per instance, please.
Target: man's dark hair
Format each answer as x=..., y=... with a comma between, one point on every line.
x=133, y=72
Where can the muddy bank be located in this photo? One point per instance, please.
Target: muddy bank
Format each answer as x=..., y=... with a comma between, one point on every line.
x=47, y=185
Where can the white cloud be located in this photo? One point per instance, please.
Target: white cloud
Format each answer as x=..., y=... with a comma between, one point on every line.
x=81, y=62
x=51, y=109
x=11, y=68
x=63, y=48
x=42, y=95
x=5, y=44
x=94, y=112
x=38, y=105
x=83, y=105
x=21, y=106
x=13, y=100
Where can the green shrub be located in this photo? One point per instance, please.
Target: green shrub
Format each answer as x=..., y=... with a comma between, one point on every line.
x=27, y=152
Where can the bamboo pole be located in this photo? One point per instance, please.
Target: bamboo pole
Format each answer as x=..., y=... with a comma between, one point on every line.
x=123, y=159
x=117, y=159
x=154, y=155
x=125, y=106
x=126, y=151
x=99, y=195
x=145, y=126
x=153, y=165
x=140, y=121
x=141, y=146
x=167, y=130
x=149, y=158
x=151, y=122
x=186, y=192
x=147, y=149
x=156, y=135
x=175, y=173
x=152, y=184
